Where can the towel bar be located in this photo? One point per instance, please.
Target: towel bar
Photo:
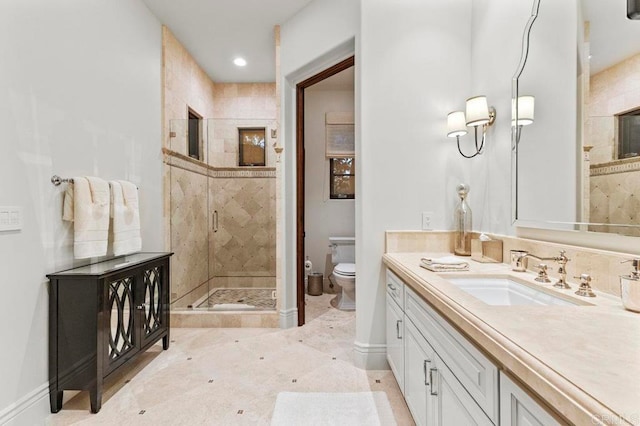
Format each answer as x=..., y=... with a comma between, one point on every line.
x=57, y=180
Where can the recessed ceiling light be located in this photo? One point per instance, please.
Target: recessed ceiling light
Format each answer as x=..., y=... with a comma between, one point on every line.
x=241, y=62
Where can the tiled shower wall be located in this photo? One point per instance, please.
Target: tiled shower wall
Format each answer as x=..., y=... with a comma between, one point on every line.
x=241, y=105
x=243, y=249
x=612, y=91
x=613, y=182
x=194, y=189
x=189, y=237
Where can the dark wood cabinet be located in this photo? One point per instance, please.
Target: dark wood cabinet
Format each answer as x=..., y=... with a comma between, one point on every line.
x=100, y=317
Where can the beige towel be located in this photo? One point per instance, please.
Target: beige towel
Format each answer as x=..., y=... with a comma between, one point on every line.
x=90, y=217
x=67, y=205
x=126, y=218
x=444, y=264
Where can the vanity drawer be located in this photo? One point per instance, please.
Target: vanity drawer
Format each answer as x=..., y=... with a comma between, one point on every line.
x=476, y=372
x=395, y=288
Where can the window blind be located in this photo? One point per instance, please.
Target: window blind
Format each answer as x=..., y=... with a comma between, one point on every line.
x=340, y=135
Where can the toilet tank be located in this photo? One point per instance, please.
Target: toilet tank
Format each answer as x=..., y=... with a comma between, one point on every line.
x=343, y=249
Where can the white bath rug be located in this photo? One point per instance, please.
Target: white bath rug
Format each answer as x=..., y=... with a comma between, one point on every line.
x=344, y=409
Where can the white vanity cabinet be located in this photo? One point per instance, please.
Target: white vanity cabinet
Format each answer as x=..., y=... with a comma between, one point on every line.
x=444, y=378
x=475, y=372
x=452, y=404
x=395, y=327
x=517, y=408
x=419, y=359
x=435, y=394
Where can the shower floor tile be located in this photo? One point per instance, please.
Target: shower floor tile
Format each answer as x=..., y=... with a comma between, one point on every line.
x=238, y=299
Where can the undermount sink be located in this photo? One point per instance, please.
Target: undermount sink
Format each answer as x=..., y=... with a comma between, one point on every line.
x=506, y=292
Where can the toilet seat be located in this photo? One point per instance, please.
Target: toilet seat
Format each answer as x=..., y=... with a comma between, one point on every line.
x=345, y=269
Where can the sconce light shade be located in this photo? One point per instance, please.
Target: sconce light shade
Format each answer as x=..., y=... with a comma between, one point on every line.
x=456, y=124
x=477, y=111
x=526, y=107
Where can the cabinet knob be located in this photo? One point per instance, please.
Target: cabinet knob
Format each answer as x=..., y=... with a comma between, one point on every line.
x=391, y=286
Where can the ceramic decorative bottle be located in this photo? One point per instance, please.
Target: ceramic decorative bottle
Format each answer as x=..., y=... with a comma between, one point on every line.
x=462, y=219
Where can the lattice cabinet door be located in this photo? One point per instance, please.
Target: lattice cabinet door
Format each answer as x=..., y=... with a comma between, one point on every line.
x=121, y=320
x=153, y=303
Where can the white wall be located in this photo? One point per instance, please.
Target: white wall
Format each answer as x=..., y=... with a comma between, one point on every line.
x=547, y=149
x=415, y=67
x=547, y=152
x=320, y=35
x=79, y=95
x=412, y=68
x=493, y=68
x=324, y=217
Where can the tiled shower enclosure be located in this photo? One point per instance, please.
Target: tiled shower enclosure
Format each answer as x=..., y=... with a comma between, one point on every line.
x=223, y=222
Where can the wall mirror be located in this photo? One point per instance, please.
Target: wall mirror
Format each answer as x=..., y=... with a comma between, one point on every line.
x=577, y=165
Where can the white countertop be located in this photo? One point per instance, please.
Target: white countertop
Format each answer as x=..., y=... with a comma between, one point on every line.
x=584, y=361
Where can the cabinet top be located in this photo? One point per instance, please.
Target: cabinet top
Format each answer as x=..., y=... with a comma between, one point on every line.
x=110, y=265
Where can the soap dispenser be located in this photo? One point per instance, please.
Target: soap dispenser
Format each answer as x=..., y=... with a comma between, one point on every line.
x=462, y=219
x=630, y=287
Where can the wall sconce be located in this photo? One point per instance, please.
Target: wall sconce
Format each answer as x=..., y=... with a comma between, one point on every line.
x=478, y=113
x=524, y=110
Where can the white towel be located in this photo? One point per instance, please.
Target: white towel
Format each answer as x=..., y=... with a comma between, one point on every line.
x=90, y=217
x=444, y=264
x=126, y=218
x=67, y=205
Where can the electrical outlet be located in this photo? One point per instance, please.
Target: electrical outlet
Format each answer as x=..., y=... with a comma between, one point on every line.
x=427, y=217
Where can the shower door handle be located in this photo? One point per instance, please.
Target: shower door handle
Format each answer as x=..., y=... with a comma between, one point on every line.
x=214, y=220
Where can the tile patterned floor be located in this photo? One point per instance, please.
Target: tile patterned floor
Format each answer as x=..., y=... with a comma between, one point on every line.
x=256, y=298
x=233, y=376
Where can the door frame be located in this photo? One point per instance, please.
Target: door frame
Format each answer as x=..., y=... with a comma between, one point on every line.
x=300, y=174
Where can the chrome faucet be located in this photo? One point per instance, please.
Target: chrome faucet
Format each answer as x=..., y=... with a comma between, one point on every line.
x=519, y=264
x=519, y=259
x=562, y=270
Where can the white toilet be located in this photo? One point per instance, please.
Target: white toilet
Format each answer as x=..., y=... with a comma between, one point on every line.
x=343, y=255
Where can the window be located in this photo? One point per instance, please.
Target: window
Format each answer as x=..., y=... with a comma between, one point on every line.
x=251, y=147
x=629, y=134
x=342, y=178
x=195, y=147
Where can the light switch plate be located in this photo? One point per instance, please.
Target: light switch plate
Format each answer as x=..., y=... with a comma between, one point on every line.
x=10, y=218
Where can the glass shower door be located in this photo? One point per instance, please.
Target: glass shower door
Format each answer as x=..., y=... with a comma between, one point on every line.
x=186, y=177
x=242, y=215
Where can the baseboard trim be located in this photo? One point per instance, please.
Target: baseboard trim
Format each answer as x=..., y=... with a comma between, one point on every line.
x=23, y=404
x=370, y=356
x=288, y=318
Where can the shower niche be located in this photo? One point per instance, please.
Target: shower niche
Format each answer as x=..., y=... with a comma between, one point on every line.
x=222, y=217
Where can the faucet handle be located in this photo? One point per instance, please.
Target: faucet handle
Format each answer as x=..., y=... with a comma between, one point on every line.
x=585, y=286
x=562, y=257
x=519, y=260
x=542, y=273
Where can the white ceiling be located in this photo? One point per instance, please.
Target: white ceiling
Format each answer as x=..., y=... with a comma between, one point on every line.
x=613, y=37
x=217, y=31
